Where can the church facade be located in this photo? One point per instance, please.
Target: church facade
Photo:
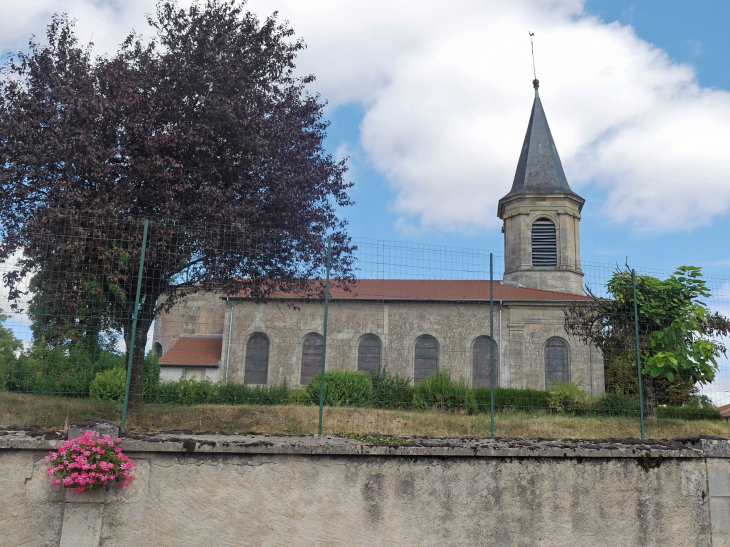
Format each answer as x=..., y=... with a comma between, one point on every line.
x=415, y=327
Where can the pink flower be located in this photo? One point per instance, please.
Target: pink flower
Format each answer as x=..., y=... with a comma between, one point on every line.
x=78, y=462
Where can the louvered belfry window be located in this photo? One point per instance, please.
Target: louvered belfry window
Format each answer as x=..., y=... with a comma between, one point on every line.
x=544, y=245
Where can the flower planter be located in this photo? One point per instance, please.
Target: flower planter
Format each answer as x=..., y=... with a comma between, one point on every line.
x=90, y=462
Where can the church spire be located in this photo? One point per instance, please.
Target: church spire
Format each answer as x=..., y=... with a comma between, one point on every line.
x=541, y=215
x=539, y=170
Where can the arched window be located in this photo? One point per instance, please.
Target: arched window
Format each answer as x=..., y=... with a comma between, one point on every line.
x=368, y=353
x=157, y=348
x=311, y=357
x=426, y=360
x=557, y=361
x=481, y=363
x=544, y=246
x=257, y=359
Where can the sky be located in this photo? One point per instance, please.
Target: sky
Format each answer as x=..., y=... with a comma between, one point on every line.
x=430, y=101
x=431, y=105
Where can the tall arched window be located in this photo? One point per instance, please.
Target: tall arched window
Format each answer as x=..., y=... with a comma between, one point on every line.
x=257, y=359
x=557, y=361
x=544, y=245
x=426, y=360
x=157, y=348
x=368, y=353
x=481, y=362
x=311, y=356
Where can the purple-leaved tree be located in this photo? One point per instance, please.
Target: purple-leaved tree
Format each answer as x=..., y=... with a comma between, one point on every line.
x=204, y=130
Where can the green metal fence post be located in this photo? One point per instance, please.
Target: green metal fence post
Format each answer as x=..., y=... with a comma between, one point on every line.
x=491, y=339
x=134, y=324
x=324, y=338
x=638, y=354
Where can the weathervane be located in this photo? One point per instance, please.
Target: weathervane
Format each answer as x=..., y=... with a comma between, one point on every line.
x=535, y=82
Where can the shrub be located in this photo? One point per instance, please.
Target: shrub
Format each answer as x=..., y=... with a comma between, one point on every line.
x=341, y=388
x=700, y=401
x=615, y=404
x=390, y=391
x=568, y=397
x=237, y=394
x=151, y=371
x=109, y=385
x=194, y=392
x=689, y=413
x=61, y=370
x=299, y=396
x=621, y=377
x=504, y=398
x=440, y=392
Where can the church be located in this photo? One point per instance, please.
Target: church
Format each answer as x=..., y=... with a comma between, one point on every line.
x=415, y=326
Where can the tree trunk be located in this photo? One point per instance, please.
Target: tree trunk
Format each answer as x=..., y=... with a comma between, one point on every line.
x=136, y=385
x=650, y=398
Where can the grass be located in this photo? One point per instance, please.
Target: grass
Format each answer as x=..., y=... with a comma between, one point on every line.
x=51, y=412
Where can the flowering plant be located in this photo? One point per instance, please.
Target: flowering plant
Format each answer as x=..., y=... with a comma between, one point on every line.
x=89, y=460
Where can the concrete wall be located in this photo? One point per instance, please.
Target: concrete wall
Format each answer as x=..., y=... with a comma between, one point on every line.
x=520, y=334
x=229, y=490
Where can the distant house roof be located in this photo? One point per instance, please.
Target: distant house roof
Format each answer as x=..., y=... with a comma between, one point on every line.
x=194, y=350
x=436, y=290
x=724, y=410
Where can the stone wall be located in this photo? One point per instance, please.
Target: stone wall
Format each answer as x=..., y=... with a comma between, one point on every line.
x=201, y=313
x=261, y=490
x=520, y=333
x=519, y=212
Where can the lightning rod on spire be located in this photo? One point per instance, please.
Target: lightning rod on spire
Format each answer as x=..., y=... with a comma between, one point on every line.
x=535, y=82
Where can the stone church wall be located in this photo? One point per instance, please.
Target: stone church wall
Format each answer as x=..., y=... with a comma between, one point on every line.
x=520, y=346
x=202, y=313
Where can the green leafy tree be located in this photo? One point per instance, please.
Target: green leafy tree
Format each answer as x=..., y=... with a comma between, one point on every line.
x=680, y=338
x=91, y=325
x=9, y=346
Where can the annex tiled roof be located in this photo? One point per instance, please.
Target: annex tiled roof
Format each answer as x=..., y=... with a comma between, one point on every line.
x=194, y=351
x=438, y=289
x=724, y=410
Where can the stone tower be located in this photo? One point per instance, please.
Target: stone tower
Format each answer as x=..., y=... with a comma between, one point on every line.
x=541, y=215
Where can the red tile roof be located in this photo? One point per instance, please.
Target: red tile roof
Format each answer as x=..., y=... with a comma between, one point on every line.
x=437, y=289
x=724, y=410
x=194, y=351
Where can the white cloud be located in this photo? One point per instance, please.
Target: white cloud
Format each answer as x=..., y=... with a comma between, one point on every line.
x=18, y=322
x=446, y=90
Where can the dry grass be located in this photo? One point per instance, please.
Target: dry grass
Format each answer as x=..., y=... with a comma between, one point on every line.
x=52, y=413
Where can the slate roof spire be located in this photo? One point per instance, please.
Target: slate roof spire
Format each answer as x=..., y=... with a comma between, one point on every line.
x=539, y=170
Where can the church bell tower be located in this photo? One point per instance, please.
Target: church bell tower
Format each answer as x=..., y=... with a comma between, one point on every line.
x=541, y=215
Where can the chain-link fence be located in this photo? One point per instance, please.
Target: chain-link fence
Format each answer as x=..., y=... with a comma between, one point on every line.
x=173, y=325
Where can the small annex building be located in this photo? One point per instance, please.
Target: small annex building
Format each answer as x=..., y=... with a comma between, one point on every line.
x=413, y=326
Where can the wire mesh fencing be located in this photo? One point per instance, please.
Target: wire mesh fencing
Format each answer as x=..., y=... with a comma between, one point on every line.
x=200, y=326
